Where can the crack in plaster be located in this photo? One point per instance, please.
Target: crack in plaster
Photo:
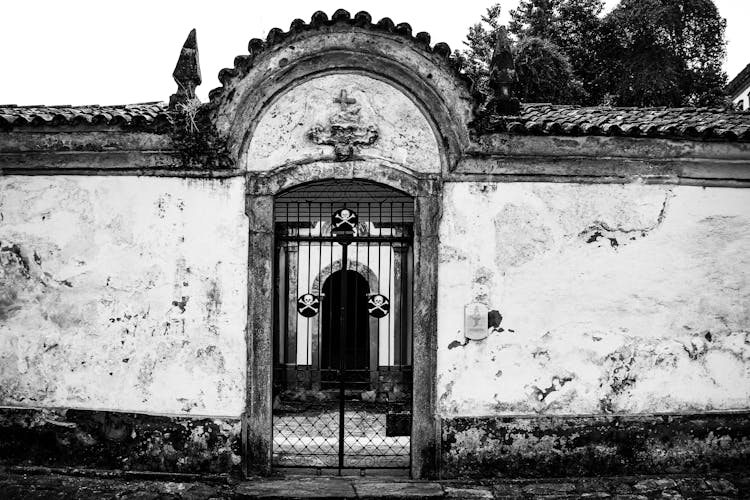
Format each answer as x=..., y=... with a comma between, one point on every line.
x=601, y=229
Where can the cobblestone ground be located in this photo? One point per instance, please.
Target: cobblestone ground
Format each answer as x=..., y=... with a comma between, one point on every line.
x=43, y=484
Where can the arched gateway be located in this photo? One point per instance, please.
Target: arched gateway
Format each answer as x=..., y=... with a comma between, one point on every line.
x=335, y=118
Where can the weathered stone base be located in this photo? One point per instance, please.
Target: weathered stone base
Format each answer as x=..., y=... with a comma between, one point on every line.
x=554, y=446
x=113, y=440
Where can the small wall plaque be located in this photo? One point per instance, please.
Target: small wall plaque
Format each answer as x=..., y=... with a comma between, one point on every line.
x=475, y=321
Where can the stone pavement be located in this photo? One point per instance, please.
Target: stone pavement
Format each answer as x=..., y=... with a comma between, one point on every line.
x=39, y=483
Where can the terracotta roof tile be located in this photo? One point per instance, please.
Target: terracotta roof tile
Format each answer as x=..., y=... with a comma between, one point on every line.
x=130, y=114
x=535, y=119
x=341, y=19
x=685, y=123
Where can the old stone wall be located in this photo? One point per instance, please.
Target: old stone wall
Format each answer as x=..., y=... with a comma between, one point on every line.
x=123, y=293
x=615, y=299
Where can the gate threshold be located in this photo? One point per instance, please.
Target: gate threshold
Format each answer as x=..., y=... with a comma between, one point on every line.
x=339, y=488
x=347, y=472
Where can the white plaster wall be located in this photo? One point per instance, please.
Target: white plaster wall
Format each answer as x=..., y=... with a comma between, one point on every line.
x=405, y=137
x=615, y=298
x=123, y=293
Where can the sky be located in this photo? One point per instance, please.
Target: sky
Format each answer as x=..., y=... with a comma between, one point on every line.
x=105, y=52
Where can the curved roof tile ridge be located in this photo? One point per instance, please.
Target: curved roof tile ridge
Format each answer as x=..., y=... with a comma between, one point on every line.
x=362, y=19
x=685, y=122
x=534, y=119
x=141, y=114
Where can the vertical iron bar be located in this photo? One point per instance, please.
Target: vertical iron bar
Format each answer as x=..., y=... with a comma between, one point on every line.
x=296, y=315
x=355, y=326
x=331, y=307
x=308, y=335
x=389, y=249
x=342, y=349
x=404, y=300
x=321, y=279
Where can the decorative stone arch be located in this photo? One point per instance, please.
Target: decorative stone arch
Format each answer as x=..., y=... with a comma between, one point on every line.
x=351, y=265
x=285, y=177
x=344, y=44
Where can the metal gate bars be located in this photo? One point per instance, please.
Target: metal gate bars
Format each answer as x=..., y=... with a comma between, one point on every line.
x=343, y=334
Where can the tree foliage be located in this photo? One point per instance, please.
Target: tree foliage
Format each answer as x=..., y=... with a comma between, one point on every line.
x=665, y=53
x=572, y=25
x=643, y=53
x=544, y=71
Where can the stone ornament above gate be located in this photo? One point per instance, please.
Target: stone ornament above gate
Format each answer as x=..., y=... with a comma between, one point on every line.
x=344, y=117
x=345, y=129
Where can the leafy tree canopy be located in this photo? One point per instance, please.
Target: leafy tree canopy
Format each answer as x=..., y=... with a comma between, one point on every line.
x=544, y=71
x=572, y=25
x=643, y=53
x=665, y=53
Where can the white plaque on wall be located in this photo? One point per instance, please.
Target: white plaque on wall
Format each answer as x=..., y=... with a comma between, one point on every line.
x=475, y=321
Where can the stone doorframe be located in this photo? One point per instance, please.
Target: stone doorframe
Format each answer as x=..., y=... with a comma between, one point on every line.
x=260, y=192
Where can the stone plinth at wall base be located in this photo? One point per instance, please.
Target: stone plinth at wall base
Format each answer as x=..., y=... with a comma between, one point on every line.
x=555, y=446
x=115, y=440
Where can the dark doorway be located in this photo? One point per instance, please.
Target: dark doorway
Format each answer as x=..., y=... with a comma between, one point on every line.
x=356, y=333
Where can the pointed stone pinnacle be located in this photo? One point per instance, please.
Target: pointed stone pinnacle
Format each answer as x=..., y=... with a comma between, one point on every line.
x=503, y=76
x=187, y=72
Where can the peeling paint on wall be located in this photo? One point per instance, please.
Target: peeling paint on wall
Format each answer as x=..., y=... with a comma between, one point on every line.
x=115, y=294
x=609, y=294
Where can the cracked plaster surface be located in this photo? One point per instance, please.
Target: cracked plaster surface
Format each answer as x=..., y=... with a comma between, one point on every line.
x=114, y=294
x=659, y=321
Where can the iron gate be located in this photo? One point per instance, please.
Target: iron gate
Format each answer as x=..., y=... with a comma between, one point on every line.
x=343, y=333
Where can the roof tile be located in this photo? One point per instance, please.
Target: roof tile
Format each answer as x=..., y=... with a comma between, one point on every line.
x=685, y=123
x=546, y=119
x=137, y=114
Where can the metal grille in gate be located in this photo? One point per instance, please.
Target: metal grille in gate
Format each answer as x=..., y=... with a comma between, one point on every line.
x=343, y=333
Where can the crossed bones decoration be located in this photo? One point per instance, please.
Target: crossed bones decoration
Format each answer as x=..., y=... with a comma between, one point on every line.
x=378, y=305
x=344, y=221
x=308, y=305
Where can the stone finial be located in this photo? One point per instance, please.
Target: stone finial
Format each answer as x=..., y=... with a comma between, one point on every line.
x=503, y=77
x=187, y=73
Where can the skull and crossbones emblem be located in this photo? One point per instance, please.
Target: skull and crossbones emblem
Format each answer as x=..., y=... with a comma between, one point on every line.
x=378, y=305
x=344, y=220
x=308, y=305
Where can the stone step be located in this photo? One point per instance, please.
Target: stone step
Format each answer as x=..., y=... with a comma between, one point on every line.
x=292, y=489
x=343, y=488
